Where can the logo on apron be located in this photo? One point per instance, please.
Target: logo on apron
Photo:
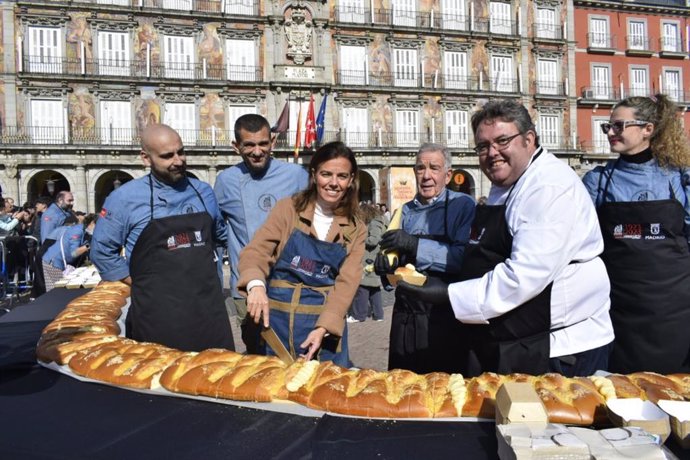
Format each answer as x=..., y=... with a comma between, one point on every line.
x=655, y=232
x=179, y=241
x=627, y=231
x=309, y=267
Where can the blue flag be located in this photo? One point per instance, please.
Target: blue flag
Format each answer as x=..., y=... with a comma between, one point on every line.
x=321, y=119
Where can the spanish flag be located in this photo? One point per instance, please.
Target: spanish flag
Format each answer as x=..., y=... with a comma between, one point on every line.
x=298, y=139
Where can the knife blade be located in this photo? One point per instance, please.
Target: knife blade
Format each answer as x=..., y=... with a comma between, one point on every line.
x=271, y=338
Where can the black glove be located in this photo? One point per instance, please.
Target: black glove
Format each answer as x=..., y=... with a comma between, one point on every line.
x=434, y=290
x=383, y=267
x=401, y=241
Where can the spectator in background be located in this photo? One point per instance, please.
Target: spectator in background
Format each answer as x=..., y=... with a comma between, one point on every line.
x=57, y=214
x=71, y=244
x=367, y=301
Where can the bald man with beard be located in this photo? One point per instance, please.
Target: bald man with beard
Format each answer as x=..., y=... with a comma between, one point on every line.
x=169, y=225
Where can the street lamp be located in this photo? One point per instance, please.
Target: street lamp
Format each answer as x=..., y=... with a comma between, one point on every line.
x=117, y=182
x=50, y=185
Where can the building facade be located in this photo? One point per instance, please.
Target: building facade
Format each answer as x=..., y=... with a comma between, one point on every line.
x=81, y=78
x=627, y=49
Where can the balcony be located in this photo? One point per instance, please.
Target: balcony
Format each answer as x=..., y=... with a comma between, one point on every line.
x=232, y=7
x=636, y=45
x=426, y=21
x=436, y=81
x=550, y=88
x=141, y=69
x=599, y=94
x=547, y=32
x=601, y=43
x=639, y=91
x=671, y=47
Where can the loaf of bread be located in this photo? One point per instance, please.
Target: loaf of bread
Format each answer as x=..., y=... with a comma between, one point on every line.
x=85, y=337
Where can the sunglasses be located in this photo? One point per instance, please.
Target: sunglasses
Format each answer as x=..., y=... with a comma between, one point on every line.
x=620, y=125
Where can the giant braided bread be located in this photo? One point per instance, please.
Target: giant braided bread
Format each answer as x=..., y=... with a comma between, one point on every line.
x=85, y=338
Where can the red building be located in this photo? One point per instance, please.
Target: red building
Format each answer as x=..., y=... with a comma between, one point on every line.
x=627, y=48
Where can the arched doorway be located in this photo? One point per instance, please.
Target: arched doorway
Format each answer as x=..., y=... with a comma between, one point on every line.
x=462, y=181
x=367, y=187
x=46, y=183
x=106, y=184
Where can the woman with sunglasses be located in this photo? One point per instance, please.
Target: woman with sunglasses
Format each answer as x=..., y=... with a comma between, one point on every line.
x=643, y=203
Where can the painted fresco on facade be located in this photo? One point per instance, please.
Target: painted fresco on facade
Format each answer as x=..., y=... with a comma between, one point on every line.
x=147, y=111
x=380, y=57
x=145, y=35
x=3, y=120
x=78, y=31
x=212, y=114
x=2, y=47
x=382, y=115
x=82, y=116
x=209, y=49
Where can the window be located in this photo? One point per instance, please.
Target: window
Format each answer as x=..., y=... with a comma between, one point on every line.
x=454, y=15
x=405, y=67
x=353, y=65
x=457, y=128
x=639, y=82
x=599, y=33
x=113, y=53
x=178, y=4
x=637, y=35
x=500, y=18
x=241, y=60
x=601, y=82
x=670, y=38
x=502, y=73
x=407, y=128
x=45, y=50
x=455, y=69
x=547, y=76
x=356, y=126
x=236, y=111
x=116, y=122
x=47, y=121
x=351, y=11
x=404, y=13
x=244, y=7
x=179, y=58
x=600, y=142
x=548, y=130
x=672, y=84
x=182, y=118
x=546, y=26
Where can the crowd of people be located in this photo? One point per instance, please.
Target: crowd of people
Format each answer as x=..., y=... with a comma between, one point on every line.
x=548, y=273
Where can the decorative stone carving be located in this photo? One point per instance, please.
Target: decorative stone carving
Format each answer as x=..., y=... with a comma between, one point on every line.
x=43, y=20
x=298, y=32
x=241, y=34
x=407, y=43
x=34, y=91
x=238, y=98
x=406, y=103
x=112, y=24
x=451, y=45
x=353, y=40
x=180, y=96
x=177, y=29
x=11, y=169
x=114, y=94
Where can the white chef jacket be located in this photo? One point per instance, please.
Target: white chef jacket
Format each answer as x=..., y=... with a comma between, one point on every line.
x=553, y=222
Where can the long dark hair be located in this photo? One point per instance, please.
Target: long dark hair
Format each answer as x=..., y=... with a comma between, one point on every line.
x=348, y=206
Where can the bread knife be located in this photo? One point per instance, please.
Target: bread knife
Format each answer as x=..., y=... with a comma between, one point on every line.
x=271, y=338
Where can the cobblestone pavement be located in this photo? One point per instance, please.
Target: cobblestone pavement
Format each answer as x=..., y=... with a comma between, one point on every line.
x=368, y=340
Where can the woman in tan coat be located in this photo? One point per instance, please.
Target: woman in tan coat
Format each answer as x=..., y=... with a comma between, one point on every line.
x=301, y=270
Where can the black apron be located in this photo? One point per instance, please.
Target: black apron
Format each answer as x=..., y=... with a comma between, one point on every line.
x=648, y=262
x=177, y=299
x=425, y=337
x=517, y=341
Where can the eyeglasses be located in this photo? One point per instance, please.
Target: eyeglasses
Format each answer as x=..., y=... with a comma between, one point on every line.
x=499, y=144
x=619, y=126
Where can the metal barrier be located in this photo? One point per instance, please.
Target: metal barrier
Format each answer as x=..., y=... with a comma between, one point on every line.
x=16, y=272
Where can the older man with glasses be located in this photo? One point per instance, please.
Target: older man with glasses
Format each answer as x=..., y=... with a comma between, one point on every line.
x=532, y=293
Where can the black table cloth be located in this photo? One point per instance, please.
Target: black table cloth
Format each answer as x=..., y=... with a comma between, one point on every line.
x=47, y=415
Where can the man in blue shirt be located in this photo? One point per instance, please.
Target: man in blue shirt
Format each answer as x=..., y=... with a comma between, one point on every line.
x=57, y=213
x=246, y=194
x=169, y=225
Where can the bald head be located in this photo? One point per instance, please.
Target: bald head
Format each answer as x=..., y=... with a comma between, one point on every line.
x=163, y=152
